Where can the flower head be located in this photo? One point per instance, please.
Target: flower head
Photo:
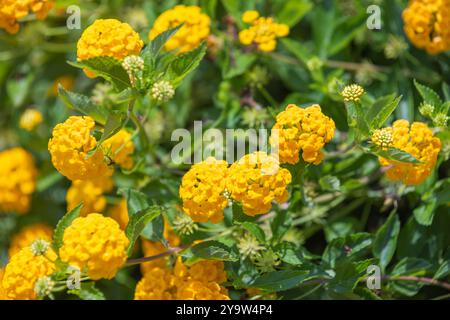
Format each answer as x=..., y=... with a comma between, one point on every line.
x=184, y=224
x=39, y=247
x=383, y=137
x=256, y=180
x=304, y=131
x=69, y=147
x=249, y=246
x=266, y=261
x=162, y=91
x=133, y=65
x=202, y=190
x=426, y=24
x=11, y=11
x=262, y=32
x=23, y=271
x=108, y=38
x=418, y=140
x=17, y=180
x=195, y=29
x=44, y=286
x=352, y=92
x=95, y=244
x=30, y=119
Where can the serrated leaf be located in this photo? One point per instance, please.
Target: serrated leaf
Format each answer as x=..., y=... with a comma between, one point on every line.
x=428, y=95
x=154, y=230
x=214, y=250
x=137, y=223
x=348, y=275
x=113, y=125
x=155, y=46
x=62, y=225
x=385, y=242
x=353, y=246
x=183, y=64
x=393, y=154
x=108, y=68
x=380, y=112
x=83, y=104
x=241, y=64
x=292, y=254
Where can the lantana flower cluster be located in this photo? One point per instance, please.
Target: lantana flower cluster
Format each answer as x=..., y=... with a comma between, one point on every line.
x=200, y=281
x=11, y=11
x=427, y=24
x=17, y=180
x=94, y=244
x=301, y=130
x=263, y=31
x=416, y=139
x=195, y=29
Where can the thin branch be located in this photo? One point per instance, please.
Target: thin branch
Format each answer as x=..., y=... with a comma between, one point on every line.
x=429, y=281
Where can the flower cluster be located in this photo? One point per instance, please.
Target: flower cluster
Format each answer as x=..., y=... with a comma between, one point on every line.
x=256, y=180
x=108, y=38
x=17, y=180
x=202, y=190
x=301, y=130
x=195, y=29
x=28, y=235
x=3, y=295
x=201, y=281
x=263, y=31
x=418, y=140
x=69, y=147
x=30, y=119
x=90, y=192
x=383, y=138
x=119, y=148
x=95, y=244
x=11, y=11
x=23, y=271
x=426, y=23
x=162, y=91
x=352, y=92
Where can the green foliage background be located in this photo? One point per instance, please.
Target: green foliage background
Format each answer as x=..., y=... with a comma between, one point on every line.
x=343, y=215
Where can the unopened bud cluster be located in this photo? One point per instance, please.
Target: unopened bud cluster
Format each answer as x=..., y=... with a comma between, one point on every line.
x=162, y=91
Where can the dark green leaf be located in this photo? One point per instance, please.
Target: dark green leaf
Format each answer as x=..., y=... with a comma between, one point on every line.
x=385, y=241
x=286, y=279
x=428, y=95
x=108, y=68
x=183, y=64
x=292, y=11
x=393, y=154
x=425, y=213
x=138, y=222
x=255, y=230
x=88, y=291
x=155, y=46
x=214, y=250
x=83, y=104
x=350, y=247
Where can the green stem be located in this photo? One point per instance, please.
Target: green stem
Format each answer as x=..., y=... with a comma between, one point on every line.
x=268, y=96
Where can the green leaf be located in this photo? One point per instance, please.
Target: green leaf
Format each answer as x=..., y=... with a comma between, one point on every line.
x=154, y=231
x=63, y=224
x=380, y=111
x=348, y=275
x=292, y=254
x=108, y=68
x=138, y=222
x=214, y=250
x=18, y=89
x=113, y=125
x=155, y=46
x=286, y=279
x=428, y=95
x=385, y=241
x=393, y=154
x=88, y=291
x=425, y=213
x=255, y=230
x=83, y=104
x=183, y=64
x=239, y=215
x=136, y=200
x=292, y=11
x=443, y=270
x=409, y=267
x=298, y=49
x=330, y=183
x=241, y=64
x=351, y=247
